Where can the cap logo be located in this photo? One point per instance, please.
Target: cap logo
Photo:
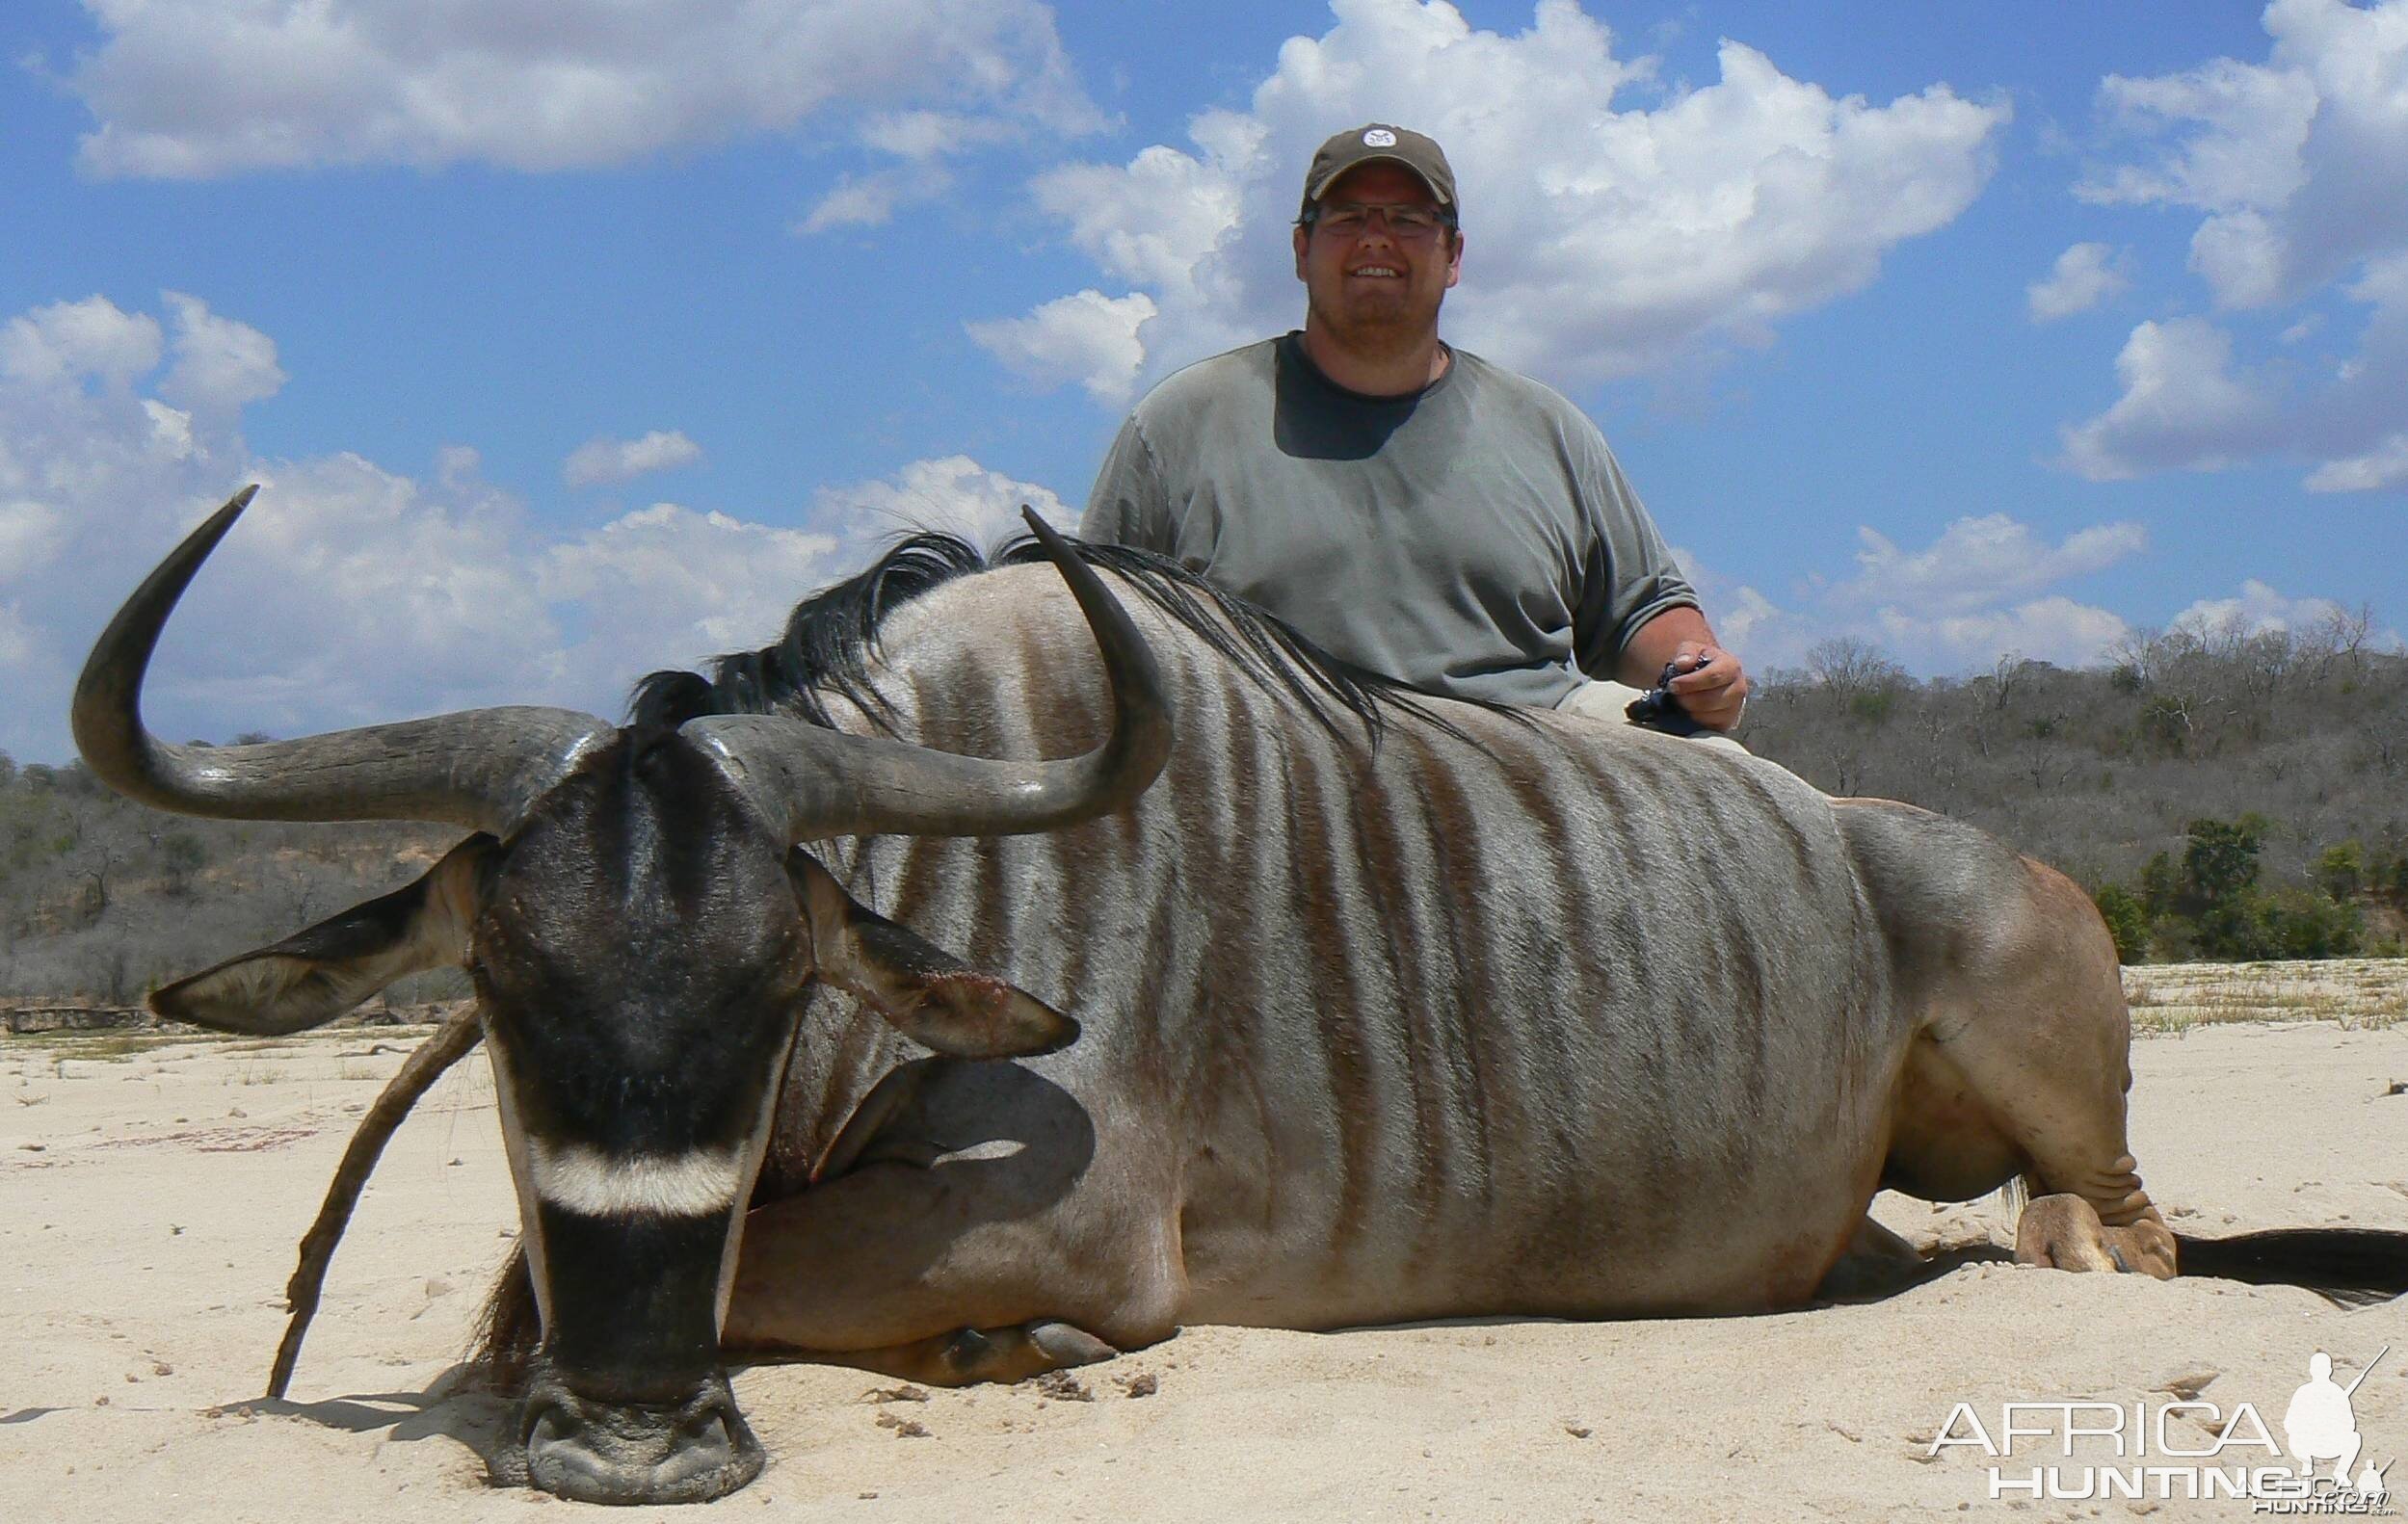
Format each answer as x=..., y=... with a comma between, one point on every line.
x=1379, y=137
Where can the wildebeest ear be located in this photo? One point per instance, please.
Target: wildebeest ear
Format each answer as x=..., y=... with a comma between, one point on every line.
x=930, y=995
x=313, y=976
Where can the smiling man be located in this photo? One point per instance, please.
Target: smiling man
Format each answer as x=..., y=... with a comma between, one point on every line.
x=1406, y=504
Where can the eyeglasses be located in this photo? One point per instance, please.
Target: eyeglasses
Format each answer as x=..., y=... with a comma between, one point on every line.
x=1353, y=219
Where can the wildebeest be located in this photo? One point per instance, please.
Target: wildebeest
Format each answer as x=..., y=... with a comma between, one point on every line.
x=1372, y=1009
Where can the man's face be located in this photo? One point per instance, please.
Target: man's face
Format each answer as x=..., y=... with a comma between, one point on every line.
x=1377, y=286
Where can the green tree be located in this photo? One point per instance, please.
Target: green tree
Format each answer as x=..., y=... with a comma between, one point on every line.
x=2219, y=889
x=2308, y=923
x=2128, y=921
x=2161, y=886
x=2242, y=928
x=2221, y=860
x=2387, y=876
x=2342, y=870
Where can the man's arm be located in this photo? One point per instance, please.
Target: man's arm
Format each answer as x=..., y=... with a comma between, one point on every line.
x=1632, y=585
x=1129, y=506
x=1712, y=686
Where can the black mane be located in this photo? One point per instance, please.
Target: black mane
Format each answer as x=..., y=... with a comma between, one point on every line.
x=831, y=635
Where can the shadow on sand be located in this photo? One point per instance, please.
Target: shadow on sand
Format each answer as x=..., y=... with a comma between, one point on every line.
x=456, y=1405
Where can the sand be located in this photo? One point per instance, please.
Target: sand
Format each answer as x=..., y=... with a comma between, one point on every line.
x=149, y=1205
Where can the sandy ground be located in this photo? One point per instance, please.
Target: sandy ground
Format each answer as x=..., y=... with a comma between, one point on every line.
x=149, y=1205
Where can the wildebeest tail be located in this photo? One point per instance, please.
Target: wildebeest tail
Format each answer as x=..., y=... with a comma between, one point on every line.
x=509, y=1330
x=2353, y=1266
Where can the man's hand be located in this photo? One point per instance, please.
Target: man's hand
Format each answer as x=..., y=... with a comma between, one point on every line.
x=1713, y=694
x=1712, y=686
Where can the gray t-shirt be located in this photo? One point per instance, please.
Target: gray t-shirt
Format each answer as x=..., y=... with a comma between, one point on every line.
x=1472, y=538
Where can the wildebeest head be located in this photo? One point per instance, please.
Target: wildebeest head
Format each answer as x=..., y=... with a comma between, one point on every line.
x=642, y=922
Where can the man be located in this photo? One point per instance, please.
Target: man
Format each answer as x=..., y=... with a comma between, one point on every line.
x=1407, y=505
x=2320, y=1424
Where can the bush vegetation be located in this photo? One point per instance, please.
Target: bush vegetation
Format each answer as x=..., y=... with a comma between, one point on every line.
x=2224, y=793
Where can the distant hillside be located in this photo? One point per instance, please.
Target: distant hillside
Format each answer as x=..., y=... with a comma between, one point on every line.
x=2288, y=751
x=107, y=899
x=2294, y=748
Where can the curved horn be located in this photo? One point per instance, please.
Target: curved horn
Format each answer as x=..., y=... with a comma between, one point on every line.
x=480, y=768
x=823, y=783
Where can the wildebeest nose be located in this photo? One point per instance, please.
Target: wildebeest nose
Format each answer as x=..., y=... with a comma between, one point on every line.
x=597, y=1451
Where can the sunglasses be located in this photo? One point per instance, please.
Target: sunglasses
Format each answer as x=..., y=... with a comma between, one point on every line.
x=1353, y=219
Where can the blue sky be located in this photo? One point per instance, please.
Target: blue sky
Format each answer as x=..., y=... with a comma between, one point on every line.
x=566, y=352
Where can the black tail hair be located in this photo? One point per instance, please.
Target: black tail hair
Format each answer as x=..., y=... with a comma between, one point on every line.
x=2353, y=1266
x=509, y=1329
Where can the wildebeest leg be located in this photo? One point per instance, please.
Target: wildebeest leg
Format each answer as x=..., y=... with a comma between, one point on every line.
x=1875, y=1263
x=2054, y=1066
x=925, y=1273
x=2021, y=1058
x=969, y=1355
x=987, y=1200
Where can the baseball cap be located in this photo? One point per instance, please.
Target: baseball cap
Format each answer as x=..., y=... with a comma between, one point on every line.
x=1373, y=143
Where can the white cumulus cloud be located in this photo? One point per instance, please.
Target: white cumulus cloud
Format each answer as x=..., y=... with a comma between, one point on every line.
x=221, y=365
x=1982, y=588
x=67, y=341
x=1086, y=337
x=679, y=584
x=191, y=89
x=2298, y=163
x=2053, y=629
x=953, y=493
x=2258, y=609
x=600, y=461
x=2384, y=466
x=1978, y=563
x=1610, y=226
x=869, y=201
x=31, y=535
x=2241, y=129
x=2083, y=276
x=352, y=593
x=2184, y=406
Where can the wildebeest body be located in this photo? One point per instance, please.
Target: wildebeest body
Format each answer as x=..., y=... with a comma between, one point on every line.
x=1540, y=1016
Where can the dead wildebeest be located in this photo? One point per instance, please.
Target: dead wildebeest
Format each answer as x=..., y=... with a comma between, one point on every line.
x=1373, y=1009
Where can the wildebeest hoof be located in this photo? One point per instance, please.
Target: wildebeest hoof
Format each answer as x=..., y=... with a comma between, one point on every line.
x=2063, y=1232
x=1067, y=1345
x=1017, y=1352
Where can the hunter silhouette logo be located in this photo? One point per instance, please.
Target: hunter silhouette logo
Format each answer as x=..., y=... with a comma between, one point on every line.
x=2320, y=1425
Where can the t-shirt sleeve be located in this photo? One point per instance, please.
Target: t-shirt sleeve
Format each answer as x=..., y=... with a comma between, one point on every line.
x=1631, y=576
x=1129, y=506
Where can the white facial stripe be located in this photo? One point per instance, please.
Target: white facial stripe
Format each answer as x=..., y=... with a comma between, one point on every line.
x=584, y=1179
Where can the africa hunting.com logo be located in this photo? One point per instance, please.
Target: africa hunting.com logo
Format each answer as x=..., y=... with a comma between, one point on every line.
x=2310, y=1473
